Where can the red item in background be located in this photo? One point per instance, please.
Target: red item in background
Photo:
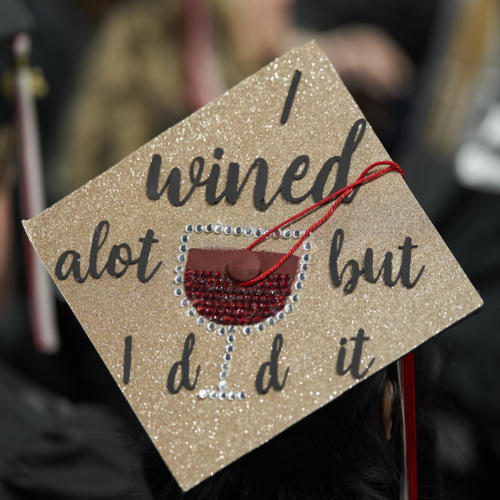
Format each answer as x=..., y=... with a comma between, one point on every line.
x=200, y=73
x=409, y=423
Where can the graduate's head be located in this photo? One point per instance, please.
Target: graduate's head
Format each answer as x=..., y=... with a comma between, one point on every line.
x=351, y=448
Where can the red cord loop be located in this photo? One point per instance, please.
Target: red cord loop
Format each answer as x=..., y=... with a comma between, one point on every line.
x=364, y=177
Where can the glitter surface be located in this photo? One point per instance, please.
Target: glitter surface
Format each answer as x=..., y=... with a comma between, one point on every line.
x=198, y=435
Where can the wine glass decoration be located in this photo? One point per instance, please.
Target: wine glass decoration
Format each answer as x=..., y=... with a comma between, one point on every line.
x=211, y=281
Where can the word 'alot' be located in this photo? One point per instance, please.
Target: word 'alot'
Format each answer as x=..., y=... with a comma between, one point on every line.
x=118, y=261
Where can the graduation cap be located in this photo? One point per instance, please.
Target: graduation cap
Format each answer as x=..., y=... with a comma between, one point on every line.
x=227, y=299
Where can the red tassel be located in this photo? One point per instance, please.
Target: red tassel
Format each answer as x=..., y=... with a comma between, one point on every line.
x=410, y=423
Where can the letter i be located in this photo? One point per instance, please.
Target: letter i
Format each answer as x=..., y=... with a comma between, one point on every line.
x=341, y=370
x=127, y=359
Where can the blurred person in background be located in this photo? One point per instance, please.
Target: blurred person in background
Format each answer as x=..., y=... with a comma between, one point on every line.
x=50, y=446
x=53, y=62
x=152, y=64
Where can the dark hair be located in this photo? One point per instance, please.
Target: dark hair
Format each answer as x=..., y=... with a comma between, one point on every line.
x=338, y=452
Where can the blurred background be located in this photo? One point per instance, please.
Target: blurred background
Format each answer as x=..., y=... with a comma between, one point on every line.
x=105, y=76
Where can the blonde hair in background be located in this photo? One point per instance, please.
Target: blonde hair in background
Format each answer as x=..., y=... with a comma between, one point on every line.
x=131, y=85
x=473, y=37
x=129, y=82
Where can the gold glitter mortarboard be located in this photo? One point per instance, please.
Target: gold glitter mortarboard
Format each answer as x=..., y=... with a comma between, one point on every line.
x=148, y=256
